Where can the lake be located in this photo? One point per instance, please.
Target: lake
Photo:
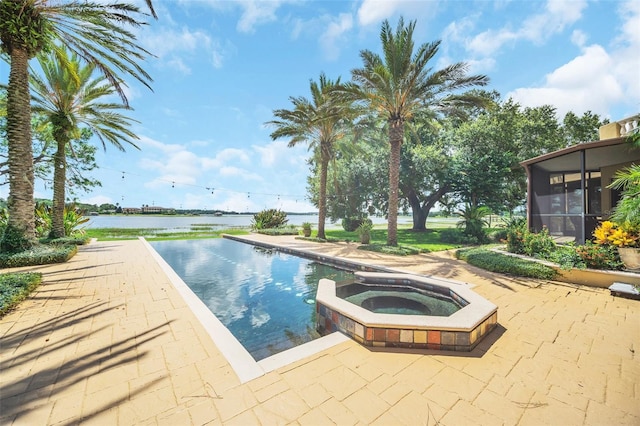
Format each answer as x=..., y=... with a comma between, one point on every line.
x=178, y=223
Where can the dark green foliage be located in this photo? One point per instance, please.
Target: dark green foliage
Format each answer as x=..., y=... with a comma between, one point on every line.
x=350, y=224
x=598, y=256
x=68, y=241
x=14, y=240
x=516, y=229
x=21, y=26
x=538, y=244
x=505, y=264
x=498, y=235
x=458, y=237
x=15, y=287
x=38, y=255
x=268, y=219
x=473, y=221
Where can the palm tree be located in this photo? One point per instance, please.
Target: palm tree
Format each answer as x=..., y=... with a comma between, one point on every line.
x=401, y=87
x=98, y=33
x=318, y=122
x=68, y=95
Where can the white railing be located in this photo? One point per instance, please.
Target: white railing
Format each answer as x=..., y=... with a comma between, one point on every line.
x=629, y=125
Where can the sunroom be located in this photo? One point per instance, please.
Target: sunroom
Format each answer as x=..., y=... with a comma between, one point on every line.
x=567, y=189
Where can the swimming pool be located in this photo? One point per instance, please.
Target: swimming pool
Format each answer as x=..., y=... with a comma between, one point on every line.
x=265, y=298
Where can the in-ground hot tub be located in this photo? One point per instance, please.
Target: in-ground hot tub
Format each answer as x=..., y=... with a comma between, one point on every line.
x=403, y=310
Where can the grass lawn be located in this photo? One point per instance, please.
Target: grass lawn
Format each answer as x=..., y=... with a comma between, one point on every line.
x=423, y=241
x=159, y=234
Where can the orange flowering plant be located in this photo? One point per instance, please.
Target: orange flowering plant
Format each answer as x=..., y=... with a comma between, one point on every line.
x=610, y=233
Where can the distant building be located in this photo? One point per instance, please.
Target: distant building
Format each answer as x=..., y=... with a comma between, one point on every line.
x=567, y=189
x=146, y=209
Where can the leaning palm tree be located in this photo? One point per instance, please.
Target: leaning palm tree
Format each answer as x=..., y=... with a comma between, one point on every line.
x=98, y=32
x=401, y=87
x=70, y=96
x=319, y=122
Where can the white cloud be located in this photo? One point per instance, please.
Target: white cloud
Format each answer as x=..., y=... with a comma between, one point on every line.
x=98, y=200
x=335, y=34
x=146, y=141
x=538, y=28
x=587, y=82
x=225, y=157
x=255, y=12
x=579, y=38
x=179, y=65
x=165, y=41
x=598, y=78
x=278, y=155
x=373, y=12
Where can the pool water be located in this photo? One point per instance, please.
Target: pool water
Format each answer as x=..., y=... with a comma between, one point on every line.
x=397, y=300
x=264, y=297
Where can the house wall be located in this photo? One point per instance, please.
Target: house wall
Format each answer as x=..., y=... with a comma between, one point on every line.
x=609, y=131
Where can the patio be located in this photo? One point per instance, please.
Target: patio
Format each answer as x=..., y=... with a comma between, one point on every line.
x=107, y=339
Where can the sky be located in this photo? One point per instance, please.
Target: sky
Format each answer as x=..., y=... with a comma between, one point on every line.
x=220, y=69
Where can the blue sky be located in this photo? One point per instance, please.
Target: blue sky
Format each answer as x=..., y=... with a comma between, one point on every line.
x=222, y=67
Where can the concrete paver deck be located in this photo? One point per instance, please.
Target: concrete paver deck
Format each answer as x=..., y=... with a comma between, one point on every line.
x=107, y=339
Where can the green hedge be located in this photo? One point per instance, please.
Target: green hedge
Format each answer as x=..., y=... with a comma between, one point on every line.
x=496, y=262
x=39, y=255
x=15, y=287
x=283, y=230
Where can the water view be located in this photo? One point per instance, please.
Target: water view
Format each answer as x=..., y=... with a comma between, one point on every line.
x=264, y=297
x=184, y=223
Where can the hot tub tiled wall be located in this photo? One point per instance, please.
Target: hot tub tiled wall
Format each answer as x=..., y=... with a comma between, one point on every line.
x=461, y=331
x=329, y=321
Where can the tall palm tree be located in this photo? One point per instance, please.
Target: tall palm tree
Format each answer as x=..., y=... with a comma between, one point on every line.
x=69, y=96
x=401, y=87
x=319, y=122
x=98, y=33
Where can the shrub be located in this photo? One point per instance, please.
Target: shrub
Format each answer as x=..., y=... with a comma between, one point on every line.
x=364, y=231
x=14, y=287
x=472, y=219
x=283, y=230
x=14, y=241
x=516, y=229
x=538, y=244
x=498, y=235
x=268, y=219
x=599, y=256
x=505, y=264
x=350, y=224
x=38, y=255
x=458, y=237
x=73, y=219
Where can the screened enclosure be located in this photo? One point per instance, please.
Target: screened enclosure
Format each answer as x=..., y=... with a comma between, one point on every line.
x=567, y=189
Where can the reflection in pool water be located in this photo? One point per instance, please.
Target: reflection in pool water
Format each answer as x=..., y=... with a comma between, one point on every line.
x=264, y=297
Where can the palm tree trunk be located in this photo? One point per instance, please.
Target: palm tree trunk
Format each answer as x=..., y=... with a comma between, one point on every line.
x=59, y=180
x=21, y=224
x=322, y=208
x=396, y=131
